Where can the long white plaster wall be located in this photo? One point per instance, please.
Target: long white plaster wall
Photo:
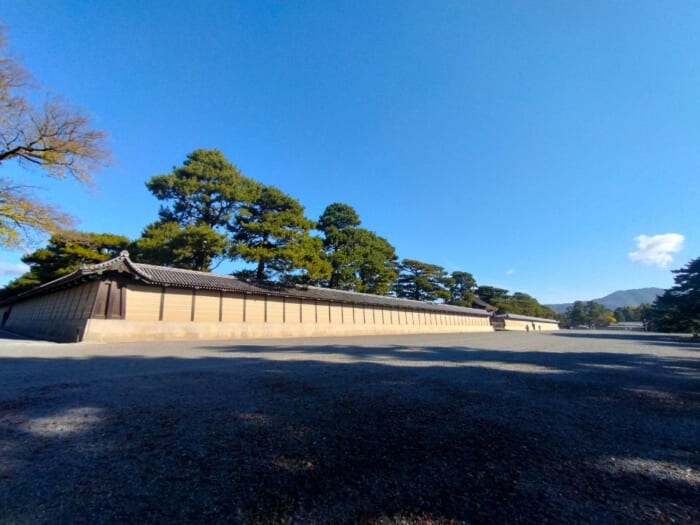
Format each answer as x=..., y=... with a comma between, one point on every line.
x=155, y=314
x=114, y=330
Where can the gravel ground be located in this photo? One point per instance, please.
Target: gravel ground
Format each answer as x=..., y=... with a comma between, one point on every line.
x=569, y=427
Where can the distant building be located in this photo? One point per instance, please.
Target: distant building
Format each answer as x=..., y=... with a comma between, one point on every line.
x=121, y=300
x=627, y=326
x=523, y=323
x=478, y=302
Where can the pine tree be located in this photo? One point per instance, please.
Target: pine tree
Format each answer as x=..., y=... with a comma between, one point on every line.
x=201, y=199
x=64, y=253
x=360, y=260
x=422, y=281
x=678, y=309
x=272, y=232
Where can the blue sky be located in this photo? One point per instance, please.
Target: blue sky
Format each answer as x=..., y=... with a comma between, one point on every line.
x=534, y=144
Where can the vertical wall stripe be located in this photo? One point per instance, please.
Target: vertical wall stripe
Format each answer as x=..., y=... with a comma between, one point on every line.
x=162, y=303
x=122, y=306
x=110, y=300
x=193, y=305
x=221, y=306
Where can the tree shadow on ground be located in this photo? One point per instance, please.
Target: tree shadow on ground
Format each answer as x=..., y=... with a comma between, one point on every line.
x=655, y=339
x=431, y=435
x=593, y=366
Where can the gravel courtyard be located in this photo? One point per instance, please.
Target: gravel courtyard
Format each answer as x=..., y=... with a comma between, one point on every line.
x=568, y=427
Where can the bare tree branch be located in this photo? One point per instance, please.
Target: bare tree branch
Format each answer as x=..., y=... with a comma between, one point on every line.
x=55, y=137
x=23, y=218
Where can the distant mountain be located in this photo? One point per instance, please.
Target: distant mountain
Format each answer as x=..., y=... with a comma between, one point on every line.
x=618, y=299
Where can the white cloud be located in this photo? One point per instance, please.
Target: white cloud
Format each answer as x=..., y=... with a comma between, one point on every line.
x=11, y=270
x=510, y=271
x=657, y=249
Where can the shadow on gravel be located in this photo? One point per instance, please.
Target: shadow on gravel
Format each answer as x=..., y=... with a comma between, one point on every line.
x=651, y=339
x=566, y=437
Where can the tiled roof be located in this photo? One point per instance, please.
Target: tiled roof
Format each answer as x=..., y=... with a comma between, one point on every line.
x=476, y=300
x=189, y=278
x=179, y=278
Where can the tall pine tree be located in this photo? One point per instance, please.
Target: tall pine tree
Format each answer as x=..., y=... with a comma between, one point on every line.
x=201, y=199
x=272, y=232
x=422, y=281
x=360, y=260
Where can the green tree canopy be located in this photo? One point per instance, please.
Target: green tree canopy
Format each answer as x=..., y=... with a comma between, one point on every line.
x=272, y=232
x=598, y=315
x=422, y=281
x=492, y=295
x=336, y=218
x=524, y=304
x=577, y=314
x=65, y=253
x=590, y=314
x=518, y=303
x=678, y=309
x=376, y=263
x=192, y=246
x=632, y=313
x=462, y=289
x=206, y=189
x=201, y=199
x=53, y=137
x=621, y=315
x=360, y=260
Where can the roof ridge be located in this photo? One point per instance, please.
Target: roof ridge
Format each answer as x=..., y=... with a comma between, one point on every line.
x=392, y=297
x=183, y=270
x=123, y=256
